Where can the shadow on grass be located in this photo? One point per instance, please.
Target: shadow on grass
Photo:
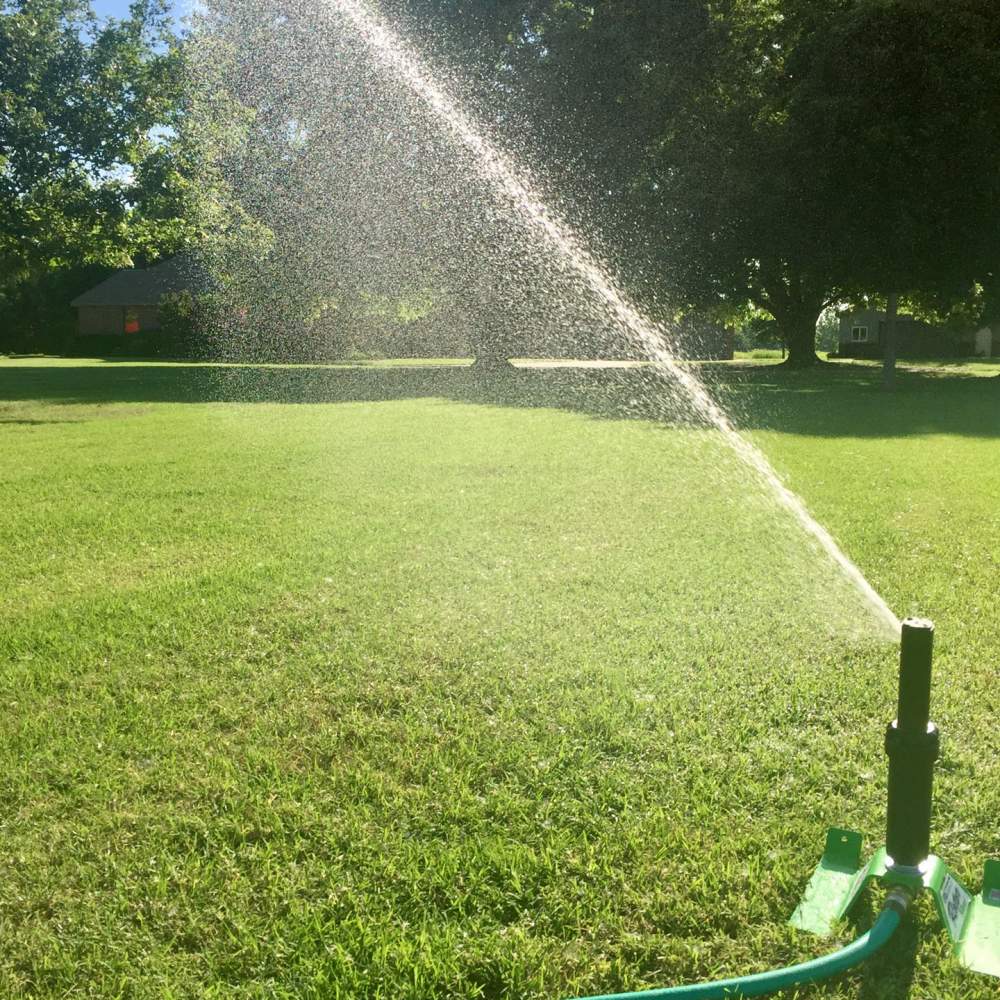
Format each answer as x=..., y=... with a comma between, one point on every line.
x=890, y=975
x=834, y=401
x=34, y=423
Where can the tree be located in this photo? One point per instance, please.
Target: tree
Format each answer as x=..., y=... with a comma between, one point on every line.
x=580, y=93
x=364, y=195
x=79, y=102
x=785, y=154
x=911, y=138
x=665, y=114
x=725, y=150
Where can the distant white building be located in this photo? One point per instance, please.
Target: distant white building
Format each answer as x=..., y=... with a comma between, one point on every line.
x=987, y=344
x=862, y=335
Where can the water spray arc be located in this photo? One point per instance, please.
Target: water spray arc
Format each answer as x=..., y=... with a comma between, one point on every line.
x=389, y=50
x=904, y=865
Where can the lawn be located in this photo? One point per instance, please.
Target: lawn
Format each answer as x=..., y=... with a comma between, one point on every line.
x=382, y=682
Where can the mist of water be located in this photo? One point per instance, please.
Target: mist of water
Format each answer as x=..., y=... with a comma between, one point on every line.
x=501, y=170
x=379, y=185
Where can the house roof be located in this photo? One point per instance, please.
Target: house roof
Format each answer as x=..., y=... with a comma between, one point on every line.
x=880, y=314
x=134, y=287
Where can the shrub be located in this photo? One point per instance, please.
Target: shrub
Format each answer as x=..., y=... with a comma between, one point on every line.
x=184, y=320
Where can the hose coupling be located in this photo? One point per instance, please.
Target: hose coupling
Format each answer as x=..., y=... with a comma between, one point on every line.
x=899, y=900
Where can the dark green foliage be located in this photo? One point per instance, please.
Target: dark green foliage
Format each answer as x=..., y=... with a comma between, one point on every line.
x=83, y=185
x=183, y=317
x=735, y=157
x=35, y=315
x=779, y=156
x=900, y=103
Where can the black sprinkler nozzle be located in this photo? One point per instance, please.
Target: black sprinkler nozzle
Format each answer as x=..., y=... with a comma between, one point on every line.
x=912, y=742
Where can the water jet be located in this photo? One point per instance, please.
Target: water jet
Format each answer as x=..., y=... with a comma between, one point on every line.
x=568, y=249
x=904, y=866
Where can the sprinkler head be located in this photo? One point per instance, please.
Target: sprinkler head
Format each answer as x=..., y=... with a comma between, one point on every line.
x=916, y=648
x=912, y=743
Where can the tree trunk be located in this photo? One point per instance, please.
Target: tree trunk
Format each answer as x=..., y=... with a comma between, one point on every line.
x=991, y=312
x=800, y=336
x=491, y=364
x=795, y=304
x=889, y=356
x=492, y=350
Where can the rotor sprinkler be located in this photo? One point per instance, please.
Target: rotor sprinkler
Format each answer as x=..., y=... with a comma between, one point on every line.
x=904, y=865
x=912, y=743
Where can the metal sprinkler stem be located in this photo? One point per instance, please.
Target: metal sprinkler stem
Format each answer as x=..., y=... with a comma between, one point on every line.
x=912, y=742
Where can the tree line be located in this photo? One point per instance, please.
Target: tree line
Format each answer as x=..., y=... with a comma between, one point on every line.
x=777, y=156
x=744, y=160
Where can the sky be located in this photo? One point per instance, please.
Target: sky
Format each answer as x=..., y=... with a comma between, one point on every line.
x=119, y=8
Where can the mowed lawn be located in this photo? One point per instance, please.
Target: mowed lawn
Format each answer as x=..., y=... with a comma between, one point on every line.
x=390, y=683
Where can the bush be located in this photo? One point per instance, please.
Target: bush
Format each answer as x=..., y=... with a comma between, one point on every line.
x=184, y=320
x=93, y=345
x=35, y=312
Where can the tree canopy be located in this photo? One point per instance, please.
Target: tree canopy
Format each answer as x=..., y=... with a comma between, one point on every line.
x=737, y=157
x=780, y=155
x=87, y=182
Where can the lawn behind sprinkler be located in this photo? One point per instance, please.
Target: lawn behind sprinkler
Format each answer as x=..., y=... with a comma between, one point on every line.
x=424, y=695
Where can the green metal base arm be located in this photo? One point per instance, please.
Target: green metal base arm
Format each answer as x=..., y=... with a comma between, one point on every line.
x=972, y=922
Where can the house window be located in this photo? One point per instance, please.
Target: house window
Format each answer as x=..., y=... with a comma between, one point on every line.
x=859, y=334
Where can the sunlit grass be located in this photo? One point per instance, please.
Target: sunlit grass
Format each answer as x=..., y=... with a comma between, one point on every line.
x=982, y=367
x=451, y=694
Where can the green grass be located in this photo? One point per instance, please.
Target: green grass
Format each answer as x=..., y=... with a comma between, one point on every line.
x=982, y=367
x=759, y=354
x=388, y=683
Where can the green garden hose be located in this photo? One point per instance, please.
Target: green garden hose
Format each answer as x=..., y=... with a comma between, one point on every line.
x=808, y=972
